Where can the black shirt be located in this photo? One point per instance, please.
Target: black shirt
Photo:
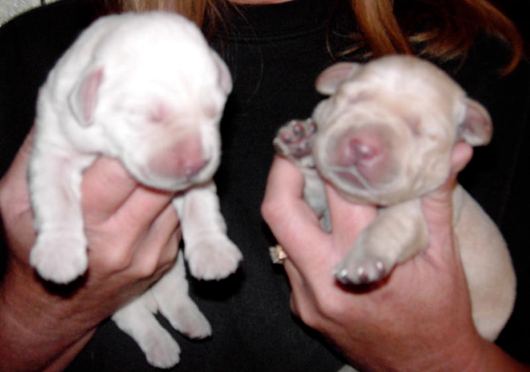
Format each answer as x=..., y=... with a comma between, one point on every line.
x=275, y=53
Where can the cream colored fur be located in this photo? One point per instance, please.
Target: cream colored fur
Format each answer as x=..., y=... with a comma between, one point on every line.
x=384, y=137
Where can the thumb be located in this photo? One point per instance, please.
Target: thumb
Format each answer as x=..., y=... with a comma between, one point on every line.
x=438, y=205
x=19, y=166
x=15, y=204
x=13, y=186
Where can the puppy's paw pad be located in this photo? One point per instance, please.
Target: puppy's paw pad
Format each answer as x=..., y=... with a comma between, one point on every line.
x=361, y=272
x=161, y=350
x=59, y=259
x=295, y=139
x=213, y=258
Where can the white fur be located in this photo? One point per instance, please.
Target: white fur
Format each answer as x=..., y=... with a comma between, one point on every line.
x=147, y=90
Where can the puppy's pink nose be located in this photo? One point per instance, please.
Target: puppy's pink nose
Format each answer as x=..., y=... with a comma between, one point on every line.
x=363, y=150
x=357, y=149
x=184, y=159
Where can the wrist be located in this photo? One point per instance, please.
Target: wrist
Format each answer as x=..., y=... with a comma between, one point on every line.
x=33, y=318
x=471, y=353
x=453, y=354
x=493, y=359
x=462, y=355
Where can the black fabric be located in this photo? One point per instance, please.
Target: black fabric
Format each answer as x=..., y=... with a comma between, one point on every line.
x=274, y=53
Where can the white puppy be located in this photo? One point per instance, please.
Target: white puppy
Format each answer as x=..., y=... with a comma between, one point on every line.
x=385, y=137
x=147, y=90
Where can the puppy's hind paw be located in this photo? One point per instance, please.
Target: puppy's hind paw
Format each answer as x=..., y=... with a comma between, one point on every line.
x=295, y=141
x=59, y=259
x=188, y=319
x=161, y=350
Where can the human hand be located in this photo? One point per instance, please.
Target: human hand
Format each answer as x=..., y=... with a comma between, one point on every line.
x=133, y=235
x=419, y=319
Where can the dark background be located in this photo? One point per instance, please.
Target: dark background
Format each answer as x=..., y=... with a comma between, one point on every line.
x=518, y=12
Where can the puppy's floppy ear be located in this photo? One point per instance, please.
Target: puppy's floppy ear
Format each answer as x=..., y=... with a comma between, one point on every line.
x=84, y=97
x=225, y=79
x=476, y=127
x=329, y=79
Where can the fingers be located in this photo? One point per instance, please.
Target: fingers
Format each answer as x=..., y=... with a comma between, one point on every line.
x=301, y=298
x=348, y=220
x=111, y=195
x=438, y=205
x=460, y=157
x=160, y=246
x=129, y=227
x=290, y=218
x=142, y=207
x=312, y=252
x=105, y=187
x=14, y=181
x=15, y=206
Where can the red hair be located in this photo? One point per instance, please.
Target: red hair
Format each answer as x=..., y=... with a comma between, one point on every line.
x=385, y=26
x=389, y=27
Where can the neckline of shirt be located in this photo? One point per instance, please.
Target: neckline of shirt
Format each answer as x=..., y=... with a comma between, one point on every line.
x=277, y=21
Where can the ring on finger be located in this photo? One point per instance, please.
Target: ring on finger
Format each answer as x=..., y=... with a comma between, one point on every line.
x=278, y=254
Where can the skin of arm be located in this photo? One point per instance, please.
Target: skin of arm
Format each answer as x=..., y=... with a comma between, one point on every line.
x=133, y=235
x=417, y=320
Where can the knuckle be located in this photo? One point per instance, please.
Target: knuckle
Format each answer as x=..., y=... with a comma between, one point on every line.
x=146, y=269
x=118, y=260
x=309, y=318
x=271, y=210
x=329, y=307
x=312, y=312
x=156, y=262
x=171, y=256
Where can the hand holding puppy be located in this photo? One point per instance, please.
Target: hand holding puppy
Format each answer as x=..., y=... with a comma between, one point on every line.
x=121, y=265
x=418, y=319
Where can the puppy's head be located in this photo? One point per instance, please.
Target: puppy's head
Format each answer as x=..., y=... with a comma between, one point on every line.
x=387, y=131
x=154, y=96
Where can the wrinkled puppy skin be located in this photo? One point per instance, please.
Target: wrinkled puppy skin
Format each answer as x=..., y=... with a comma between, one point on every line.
x=145, y=89
x=385, y=137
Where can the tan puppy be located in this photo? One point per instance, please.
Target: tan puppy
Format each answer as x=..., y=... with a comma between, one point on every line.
x=147, y=90
x=385, y=137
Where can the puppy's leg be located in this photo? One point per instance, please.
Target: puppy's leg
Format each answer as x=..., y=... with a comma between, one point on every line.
x=295, y=142
x=59, y=253
x=172, y=298
x=398, y=233
x=210, y=254
x=137, y=320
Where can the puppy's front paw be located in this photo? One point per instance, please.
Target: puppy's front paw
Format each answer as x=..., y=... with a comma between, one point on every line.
x=362, y=271
x=60, y=259
x=364, y=265
x=295, y=141
x=213, y=257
